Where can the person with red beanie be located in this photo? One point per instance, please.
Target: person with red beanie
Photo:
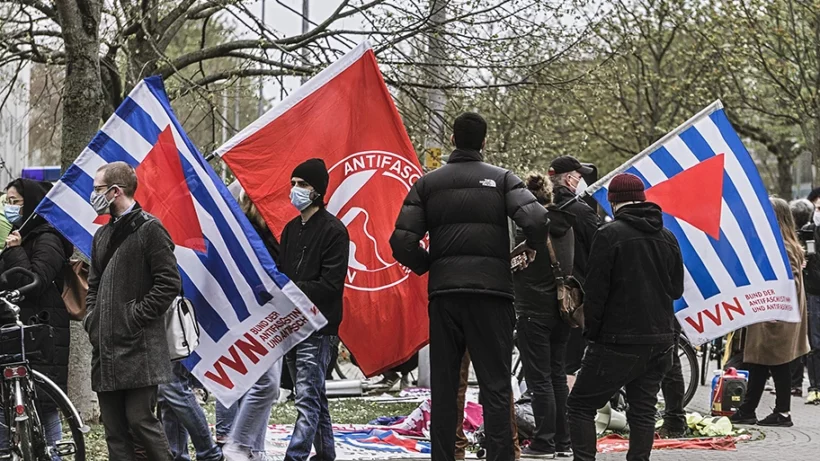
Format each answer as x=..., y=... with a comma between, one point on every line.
x=635, y=273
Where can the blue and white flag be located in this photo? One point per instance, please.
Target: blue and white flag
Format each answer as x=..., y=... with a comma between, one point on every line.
x=250, y=314
x=736, y=269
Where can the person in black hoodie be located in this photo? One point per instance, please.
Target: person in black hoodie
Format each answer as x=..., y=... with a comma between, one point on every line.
x=314, y=255
x=464, y=205
x=35, y=245
x=635, y=273
x=542, y=334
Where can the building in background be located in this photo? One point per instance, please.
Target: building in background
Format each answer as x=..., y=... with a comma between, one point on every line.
x=14, y=121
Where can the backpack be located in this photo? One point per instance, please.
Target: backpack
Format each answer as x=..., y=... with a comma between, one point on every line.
x=75, y=288
x=570, y=293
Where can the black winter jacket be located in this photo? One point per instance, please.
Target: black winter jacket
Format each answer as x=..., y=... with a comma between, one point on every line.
x=44, y=252
x=535, y=291
x=635, y=273
x=811, y=275
x=314, y=255
x=464, y=206
x=586, y=224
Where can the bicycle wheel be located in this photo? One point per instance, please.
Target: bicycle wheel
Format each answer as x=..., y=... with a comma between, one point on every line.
x=690, y=369
x=26, y=444
x=64, y=429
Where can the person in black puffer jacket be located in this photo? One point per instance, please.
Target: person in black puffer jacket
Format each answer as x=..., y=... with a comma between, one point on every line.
x=542, y=334
x=464, y=206
x=38, y=247
x=635, y=273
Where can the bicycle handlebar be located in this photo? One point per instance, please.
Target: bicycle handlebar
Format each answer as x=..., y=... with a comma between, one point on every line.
x=26, y=289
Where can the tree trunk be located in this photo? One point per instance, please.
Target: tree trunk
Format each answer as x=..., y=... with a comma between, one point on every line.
x=785, y=178
x=82, y=101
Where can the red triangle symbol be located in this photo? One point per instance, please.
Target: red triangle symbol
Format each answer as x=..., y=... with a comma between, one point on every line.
x=163, y=192
x=694, y=195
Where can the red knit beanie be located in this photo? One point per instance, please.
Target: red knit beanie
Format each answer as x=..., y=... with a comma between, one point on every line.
x=626, y=188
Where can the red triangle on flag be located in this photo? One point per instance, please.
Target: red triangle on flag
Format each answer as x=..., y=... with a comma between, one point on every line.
x=163, y=192
x=694, y=195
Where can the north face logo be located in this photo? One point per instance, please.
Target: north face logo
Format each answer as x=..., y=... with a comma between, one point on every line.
x=487, y=183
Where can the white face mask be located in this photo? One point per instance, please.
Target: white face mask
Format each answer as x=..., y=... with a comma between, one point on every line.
x=816, y=218
x=581, y=187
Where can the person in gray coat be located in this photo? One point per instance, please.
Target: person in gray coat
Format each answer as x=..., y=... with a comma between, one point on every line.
x=133, y=279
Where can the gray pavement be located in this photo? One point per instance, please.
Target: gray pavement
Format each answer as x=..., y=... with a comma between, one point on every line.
x=798, y=443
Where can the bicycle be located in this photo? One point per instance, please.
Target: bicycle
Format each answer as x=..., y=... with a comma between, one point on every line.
x=689, y=367
x=23, y=390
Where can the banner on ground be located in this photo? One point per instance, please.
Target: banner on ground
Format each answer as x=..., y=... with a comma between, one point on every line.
x=736, y=269
x=346, y=116
x=250, y=314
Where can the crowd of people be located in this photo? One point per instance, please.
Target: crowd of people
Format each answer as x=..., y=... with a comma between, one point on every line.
x=480, y=307
x=133, y=280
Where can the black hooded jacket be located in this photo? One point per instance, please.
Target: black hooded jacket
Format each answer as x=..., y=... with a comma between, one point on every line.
x=635, y=273
x=464, y=205
x=44, y=251
x=535, y=290
x=586, y=224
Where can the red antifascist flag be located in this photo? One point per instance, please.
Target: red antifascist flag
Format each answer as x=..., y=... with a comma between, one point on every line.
x=346, y=116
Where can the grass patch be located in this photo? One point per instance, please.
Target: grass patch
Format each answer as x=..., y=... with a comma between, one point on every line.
x=347, y=411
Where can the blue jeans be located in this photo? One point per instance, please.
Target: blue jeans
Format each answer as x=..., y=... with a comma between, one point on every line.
x=307, y=363
x=247, y=420
x=52, y=426
x=182, y=415
x=813, y=357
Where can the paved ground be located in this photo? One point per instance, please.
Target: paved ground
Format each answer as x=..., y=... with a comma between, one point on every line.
x=801, y=442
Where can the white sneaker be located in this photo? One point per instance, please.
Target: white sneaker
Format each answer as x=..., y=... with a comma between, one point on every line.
x=234, y=452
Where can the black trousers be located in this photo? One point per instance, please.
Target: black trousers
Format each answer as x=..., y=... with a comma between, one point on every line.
x=674, y=388
x=758, y=374
x=605, y=369
x=130, y=421
x=542, y=343
x=796, y=371
x=484, y=325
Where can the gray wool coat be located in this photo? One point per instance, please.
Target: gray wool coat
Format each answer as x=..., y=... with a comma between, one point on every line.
x=126, y=308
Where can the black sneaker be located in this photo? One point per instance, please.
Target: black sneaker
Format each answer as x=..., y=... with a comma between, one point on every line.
x=529, y=453
x=668, y=433
x=563, y=453
x=743, y=419
x=776, y=419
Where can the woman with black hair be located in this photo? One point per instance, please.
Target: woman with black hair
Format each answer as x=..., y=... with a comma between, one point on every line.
x=35, y=245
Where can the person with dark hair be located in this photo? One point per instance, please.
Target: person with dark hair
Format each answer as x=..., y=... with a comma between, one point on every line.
x=635, y=274
x=314, y=255
x=35, y=245
x=811, y=275
x=814, y=195
x=464, y=206
x=542, y=334
x=132, y=281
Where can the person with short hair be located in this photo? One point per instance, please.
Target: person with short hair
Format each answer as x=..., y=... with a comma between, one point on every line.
x=132, y=281
x=465, y=205
x=635, y=274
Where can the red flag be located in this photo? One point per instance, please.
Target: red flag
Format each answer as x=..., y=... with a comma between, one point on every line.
x=346, y=116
